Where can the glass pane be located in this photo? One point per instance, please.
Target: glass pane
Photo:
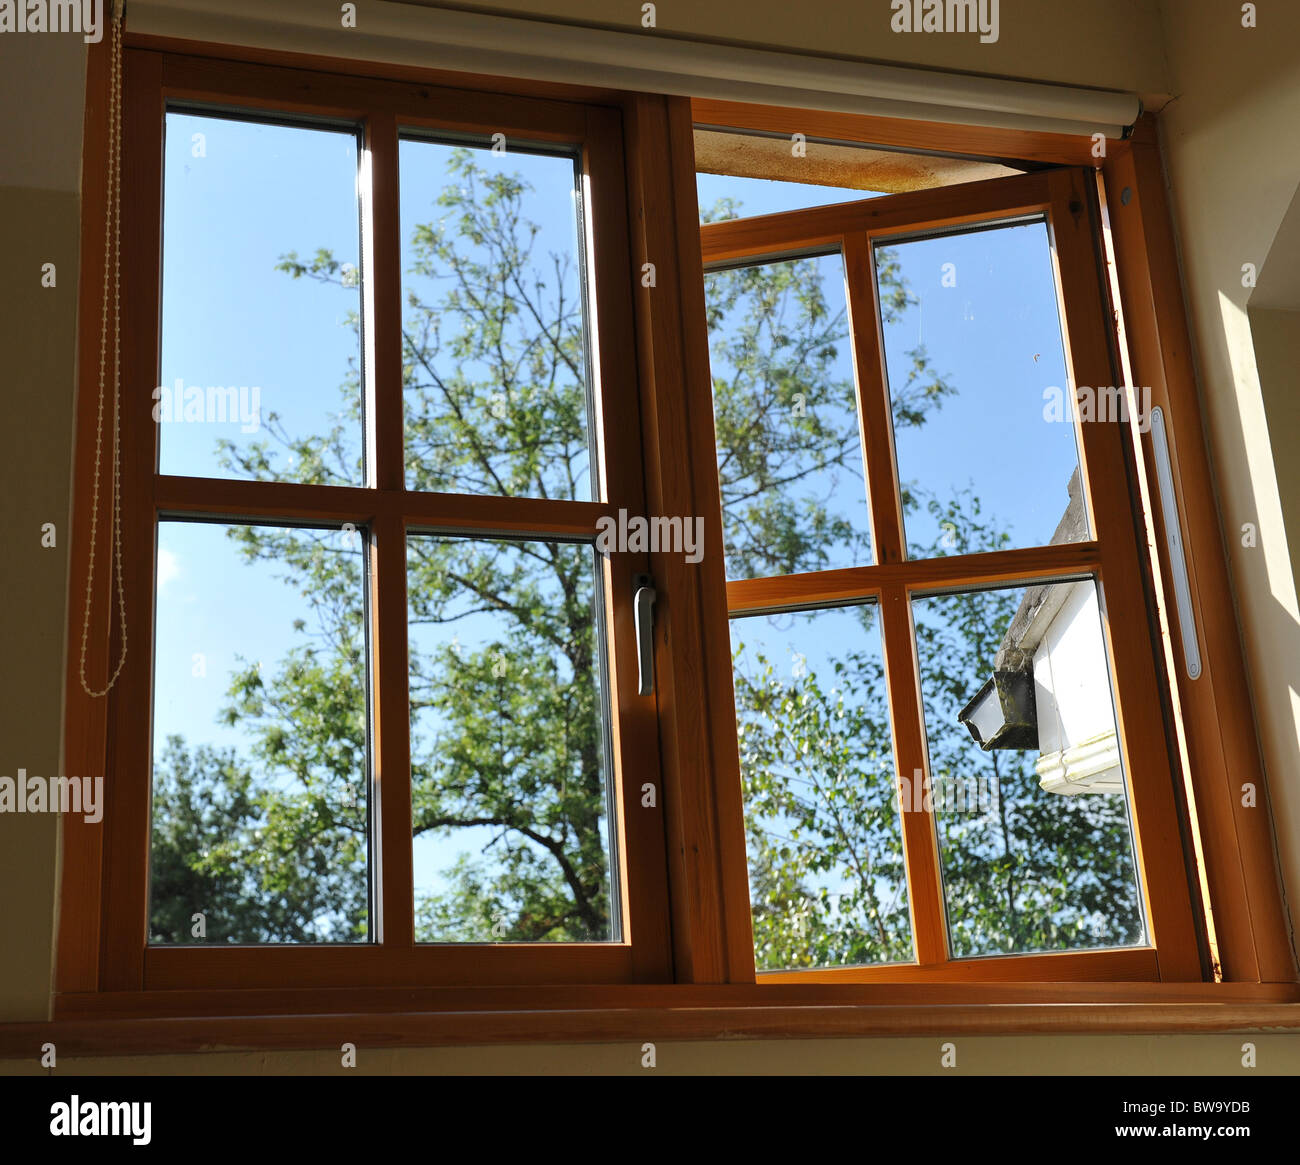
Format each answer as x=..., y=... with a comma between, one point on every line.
x=260, y=766
x=261, y=298
x=794, y=497
x=973, y=351
x=509, y=744
x=1026, y=777
x=724, y=196
x=827, y=881
x=495, y=361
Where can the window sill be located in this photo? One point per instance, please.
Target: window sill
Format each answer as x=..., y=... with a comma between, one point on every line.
x=185, y=1021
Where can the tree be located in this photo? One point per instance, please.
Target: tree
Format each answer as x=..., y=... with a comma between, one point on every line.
x=507, y=742
x=1023, y=870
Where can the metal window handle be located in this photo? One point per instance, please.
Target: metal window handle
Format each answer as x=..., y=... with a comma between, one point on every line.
x=643, y=612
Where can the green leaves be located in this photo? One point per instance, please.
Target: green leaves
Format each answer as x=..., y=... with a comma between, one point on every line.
x=825, y=854
x=261, y=865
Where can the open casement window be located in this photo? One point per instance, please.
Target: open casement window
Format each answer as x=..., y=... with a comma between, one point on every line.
x=941, y=638
x=384, y=682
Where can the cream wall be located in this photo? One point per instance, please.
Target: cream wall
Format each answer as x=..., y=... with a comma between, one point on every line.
x=41, y=99
x=1276, y=336
x=1224, y=216
x=1103, y=44
x=1233, y=156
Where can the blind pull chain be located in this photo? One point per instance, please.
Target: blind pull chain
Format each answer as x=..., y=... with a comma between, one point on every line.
x=113, y=262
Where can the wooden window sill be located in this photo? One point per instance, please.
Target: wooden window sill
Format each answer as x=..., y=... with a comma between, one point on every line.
x=143, y=1023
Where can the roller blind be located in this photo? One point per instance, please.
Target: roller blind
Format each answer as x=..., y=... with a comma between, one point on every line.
x=416, y=34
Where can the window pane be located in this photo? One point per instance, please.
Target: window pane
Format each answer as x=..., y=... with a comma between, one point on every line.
x=1026, y=777
x=724, y=196
x=495, y=359
x=260, y=368
x=972, y=345
x=509, y=743
x=785, y=410
x=827, y=881
x=260, y=767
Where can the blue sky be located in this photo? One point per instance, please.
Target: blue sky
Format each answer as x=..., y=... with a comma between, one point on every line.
x=236, y=200
x=255, y=192
x=243, y=194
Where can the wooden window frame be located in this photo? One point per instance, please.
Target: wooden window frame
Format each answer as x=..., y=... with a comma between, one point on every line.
x=386, y=512
x=712, y=964
x=1059, y=198
x=1209, y=722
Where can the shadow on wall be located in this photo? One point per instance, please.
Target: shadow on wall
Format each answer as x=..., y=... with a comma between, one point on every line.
x=1261, y=339
x=1273, y=315
x=1273, y=310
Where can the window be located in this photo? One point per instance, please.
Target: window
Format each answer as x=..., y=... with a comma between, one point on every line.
x=393, y=715
x=394, y=704
x=887, y=376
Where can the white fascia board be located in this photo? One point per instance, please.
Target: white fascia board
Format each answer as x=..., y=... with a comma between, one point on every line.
x=1092, y=766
